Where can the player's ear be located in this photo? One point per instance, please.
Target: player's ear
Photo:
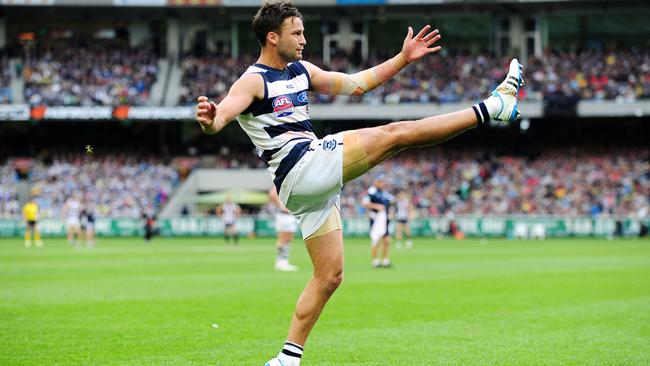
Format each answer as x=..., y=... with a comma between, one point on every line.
x=272, y=38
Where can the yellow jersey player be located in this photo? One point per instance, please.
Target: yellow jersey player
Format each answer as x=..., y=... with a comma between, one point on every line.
x=30, y=214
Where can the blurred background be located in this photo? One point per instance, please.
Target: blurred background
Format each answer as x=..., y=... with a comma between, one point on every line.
x=121, y=76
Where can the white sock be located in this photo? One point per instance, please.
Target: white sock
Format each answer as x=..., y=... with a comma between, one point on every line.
x=290, y=354
x=493, y=105
x=487, y=109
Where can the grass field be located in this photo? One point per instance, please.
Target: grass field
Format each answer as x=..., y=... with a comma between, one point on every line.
x=471, y=302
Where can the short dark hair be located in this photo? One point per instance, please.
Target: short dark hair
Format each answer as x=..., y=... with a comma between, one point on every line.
x=270, y=16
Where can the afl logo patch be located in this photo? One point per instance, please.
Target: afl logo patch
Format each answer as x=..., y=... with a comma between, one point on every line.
x=282, y=106
x=302, y=97
x=329, y=145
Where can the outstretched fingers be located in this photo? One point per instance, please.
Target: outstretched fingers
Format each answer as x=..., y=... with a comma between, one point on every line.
x=431, y=35
x=409, y=34
x=423, y=31
x=432, y=38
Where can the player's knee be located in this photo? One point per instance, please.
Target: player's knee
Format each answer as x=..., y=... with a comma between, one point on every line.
x=332, y=281
x=397, y=134
x=335, y=281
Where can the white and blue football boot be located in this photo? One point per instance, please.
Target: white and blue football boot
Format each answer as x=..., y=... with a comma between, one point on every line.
x=508, y=91
x=276, y=362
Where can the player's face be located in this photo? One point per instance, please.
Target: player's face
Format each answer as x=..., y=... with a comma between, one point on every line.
x=292, y=39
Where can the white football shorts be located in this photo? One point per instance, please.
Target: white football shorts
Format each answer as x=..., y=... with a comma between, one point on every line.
x=312, y=187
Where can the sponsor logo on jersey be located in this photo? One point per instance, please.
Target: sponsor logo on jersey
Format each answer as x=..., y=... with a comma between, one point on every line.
x=329, y=145
x=282, y=106
x=302, y=97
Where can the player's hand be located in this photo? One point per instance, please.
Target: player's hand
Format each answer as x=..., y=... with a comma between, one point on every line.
x=415, y=48
x=206, y=112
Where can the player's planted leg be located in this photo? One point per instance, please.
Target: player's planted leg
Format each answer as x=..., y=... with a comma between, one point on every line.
x=326, y=252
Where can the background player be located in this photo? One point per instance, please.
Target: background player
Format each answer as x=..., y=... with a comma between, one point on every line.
x=403, y=215
x=377, y=202
x=71, y=212
x=87, y=220
x=285, y=226
x=30, y=215
x=149, y=222
x=230, y=212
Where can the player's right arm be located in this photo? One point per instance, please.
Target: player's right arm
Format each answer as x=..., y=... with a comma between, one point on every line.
x=242, y=93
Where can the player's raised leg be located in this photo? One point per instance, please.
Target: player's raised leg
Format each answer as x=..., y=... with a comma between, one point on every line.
x=367, y=147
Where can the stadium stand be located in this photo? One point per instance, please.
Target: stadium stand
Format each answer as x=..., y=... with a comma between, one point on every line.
x=589, y=182
x=116, y=185
x=621, y=75
x=9, y=204
x=97, y=74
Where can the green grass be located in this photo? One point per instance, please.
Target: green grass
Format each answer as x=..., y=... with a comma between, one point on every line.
x=471, y=302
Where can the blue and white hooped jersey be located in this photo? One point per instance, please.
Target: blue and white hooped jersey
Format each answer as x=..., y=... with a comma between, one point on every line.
x=279, y=124
x=403, y=205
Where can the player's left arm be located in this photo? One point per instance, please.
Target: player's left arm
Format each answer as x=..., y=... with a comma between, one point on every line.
x=338, y=83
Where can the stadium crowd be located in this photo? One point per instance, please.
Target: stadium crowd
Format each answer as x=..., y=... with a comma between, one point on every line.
x=441, y=182
x=9, y=205
x=210, y=76
x=588, y=182
x=116, y=74
x=622, y=75
x=100, y=74
x=115, y=186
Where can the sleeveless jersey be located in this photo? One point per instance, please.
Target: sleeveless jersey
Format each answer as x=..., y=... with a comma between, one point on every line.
x=402, y=209
x=229, y=213
x=279, y=125
x=73, y=210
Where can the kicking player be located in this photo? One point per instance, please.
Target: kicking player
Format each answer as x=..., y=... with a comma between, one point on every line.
x=230, y=212
x=72, y=211
x=403, y=216
x=30, y=214
x=285, y=226
x=270, y=103
x=377, y=202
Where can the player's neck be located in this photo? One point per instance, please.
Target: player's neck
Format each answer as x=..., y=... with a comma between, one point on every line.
x=272, y=59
